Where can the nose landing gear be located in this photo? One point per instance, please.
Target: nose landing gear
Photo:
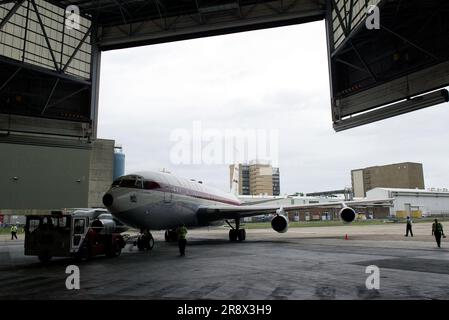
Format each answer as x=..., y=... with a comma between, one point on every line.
x=145, y=240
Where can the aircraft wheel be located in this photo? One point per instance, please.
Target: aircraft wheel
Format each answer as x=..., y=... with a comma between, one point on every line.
x=167, y=236
x=241, y=234
x=150, y=243
x=232, y=235
x=140, y=244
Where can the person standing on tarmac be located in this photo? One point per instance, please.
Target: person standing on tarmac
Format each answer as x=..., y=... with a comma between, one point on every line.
x=409, y=227
x=182, y=241
x=437, y=231
x=13, y=232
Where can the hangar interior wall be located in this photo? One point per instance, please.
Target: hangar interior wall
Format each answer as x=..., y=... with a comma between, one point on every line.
x=43, y=177
x=54, y=177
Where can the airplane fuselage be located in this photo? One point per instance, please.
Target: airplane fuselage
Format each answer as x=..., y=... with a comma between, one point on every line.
x=158, y=200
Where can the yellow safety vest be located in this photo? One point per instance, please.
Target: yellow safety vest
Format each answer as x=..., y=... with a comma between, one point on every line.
x=182, y=232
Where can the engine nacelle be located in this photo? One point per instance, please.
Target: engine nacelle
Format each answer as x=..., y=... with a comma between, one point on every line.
x=279, y=223
x=347, y=214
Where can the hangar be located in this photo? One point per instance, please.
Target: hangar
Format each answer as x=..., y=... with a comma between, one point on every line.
x=50, y=57
x=415, y=203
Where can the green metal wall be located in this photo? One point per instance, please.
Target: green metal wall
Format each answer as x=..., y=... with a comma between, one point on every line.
x=43, y=177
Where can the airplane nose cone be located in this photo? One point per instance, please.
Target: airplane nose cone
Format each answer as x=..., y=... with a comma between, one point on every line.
x=108, y=199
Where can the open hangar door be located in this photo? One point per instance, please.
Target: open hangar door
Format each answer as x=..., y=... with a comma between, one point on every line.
x=386, y=60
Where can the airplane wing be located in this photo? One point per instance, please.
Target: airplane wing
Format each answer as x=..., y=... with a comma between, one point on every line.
x=223, y=212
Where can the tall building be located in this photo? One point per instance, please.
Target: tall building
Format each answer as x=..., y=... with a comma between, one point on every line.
x=260, y=179
x=408, y=175
x=257, y=178
x=276, y=182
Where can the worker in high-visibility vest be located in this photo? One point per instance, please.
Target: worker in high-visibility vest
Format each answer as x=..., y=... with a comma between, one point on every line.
x=182, y=241
x=13, y=232
x=437, y=231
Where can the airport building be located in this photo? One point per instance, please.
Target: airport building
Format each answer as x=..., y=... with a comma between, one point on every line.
x=257, y=178
x=415, y=203
x=407, y=175
x=316, y=214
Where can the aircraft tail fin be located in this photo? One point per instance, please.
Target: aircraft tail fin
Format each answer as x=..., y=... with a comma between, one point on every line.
x=235, y=180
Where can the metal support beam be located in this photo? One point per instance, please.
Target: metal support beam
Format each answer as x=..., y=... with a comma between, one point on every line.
x=410, y=42
x=78, y=47
x=67, y=97
x=45, y=34
x=10, y=13
x=31, y=67
x=95, y=65
x=340, y=18
x=351, y=65
x=10, y=78
x=50, y=96
x=351, y=9
x=367, y=67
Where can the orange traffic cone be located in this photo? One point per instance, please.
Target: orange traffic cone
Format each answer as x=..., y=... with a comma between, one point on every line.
x=346, y=237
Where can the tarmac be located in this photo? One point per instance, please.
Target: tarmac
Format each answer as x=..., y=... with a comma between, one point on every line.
x=304, y=263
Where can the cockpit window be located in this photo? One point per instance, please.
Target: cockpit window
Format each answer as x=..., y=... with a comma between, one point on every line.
x=128, y=183
x=147, y=184
x=135, y=182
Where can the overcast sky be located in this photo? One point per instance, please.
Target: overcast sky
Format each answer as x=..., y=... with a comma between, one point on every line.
x=274, y=79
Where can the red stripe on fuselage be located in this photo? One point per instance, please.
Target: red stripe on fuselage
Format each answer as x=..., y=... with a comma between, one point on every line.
x=192, y=193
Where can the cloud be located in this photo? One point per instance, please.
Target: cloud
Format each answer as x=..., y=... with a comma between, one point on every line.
x=267, y=79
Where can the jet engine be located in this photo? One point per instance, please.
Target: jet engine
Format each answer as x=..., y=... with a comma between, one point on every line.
x=347, y=214
x=280, y=223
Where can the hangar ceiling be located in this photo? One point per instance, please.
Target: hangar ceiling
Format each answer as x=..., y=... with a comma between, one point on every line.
x=127, y=23
x=50, y=73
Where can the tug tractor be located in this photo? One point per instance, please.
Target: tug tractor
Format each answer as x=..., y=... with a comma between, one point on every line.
x=77, y=233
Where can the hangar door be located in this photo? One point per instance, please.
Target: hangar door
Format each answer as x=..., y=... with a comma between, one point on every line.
x=386, y=57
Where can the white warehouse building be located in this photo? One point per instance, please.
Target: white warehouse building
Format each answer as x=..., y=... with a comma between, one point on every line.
x=414, y=202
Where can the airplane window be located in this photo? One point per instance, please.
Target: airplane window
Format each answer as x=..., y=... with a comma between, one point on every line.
x=150, y=185
x=139, y=183
x=116, y=182
x=128, y=183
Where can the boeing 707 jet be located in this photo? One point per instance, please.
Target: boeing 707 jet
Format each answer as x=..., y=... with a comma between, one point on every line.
x=163, y=201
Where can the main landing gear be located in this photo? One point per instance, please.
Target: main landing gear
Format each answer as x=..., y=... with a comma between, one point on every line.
x=145, y=240
x=236, y=234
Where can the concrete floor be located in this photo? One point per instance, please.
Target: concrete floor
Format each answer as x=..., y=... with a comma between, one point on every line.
x=304, y=263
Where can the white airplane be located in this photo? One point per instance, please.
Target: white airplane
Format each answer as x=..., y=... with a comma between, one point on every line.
x=163, y=201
